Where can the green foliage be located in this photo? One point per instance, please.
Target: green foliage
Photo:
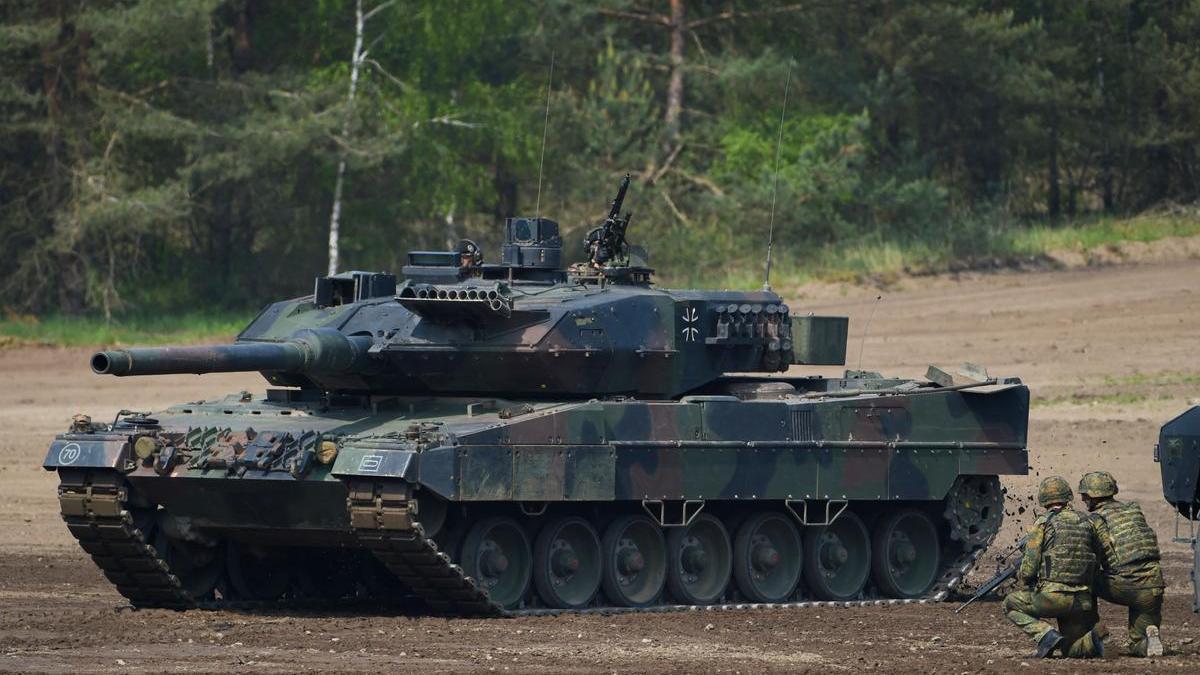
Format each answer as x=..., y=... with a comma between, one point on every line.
x=983, y=240
x=168, y=154
x=59, y=331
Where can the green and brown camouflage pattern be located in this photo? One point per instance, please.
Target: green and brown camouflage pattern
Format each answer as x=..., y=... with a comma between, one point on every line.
x=876, y=448
x=1128, y=544
x=1074, y=611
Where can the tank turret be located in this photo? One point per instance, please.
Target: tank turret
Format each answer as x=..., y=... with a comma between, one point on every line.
x=525, y=326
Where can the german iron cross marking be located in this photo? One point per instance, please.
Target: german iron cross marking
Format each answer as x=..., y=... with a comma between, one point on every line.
x=690, y=318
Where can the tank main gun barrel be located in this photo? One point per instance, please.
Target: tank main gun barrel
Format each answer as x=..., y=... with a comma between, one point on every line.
x=320, y=350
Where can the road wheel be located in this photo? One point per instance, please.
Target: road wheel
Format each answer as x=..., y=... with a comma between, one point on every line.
x=566, y=563
x=767, y=557
x=700, y=559
x=496, y=554
x=635, y=561
x=257, y=572
x=906, y=554
x=837, y=558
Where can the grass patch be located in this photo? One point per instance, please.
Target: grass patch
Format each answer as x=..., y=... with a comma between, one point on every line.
x=1122, y=398
x=1040, y=239
x=89, y=331
x=982, y=242
x=1160, y=379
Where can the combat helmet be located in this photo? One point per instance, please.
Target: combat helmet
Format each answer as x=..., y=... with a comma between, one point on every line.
x=1098, y=484
x=1054, y=490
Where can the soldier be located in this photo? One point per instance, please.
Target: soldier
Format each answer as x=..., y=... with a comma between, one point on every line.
x=1130, y=571
x=1057, y=568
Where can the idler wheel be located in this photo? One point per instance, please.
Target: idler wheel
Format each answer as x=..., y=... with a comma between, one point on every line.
x=496, y=554
x=635, y=561
x=198, y=567
x=837, y=558
x=258, y=572
x=700, y=559
x=907, y=554
x=567, y=563
x=767, y=557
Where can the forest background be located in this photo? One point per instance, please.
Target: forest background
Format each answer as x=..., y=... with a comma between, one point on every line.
x=184, y=157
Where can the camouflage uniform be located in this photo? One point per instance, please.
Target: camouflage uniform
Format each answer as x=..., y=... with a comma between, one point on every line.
x=1131, y=574
x=1056, y=569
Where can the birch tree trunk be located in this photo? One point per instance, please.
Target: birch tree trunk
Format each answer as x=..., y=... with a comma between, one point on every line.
x=675, y=85
x=336, y=213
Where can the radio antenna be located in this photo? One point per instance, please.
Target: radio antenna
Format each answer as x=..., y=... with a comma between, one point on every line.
x=775, y=183
x=537, y=209
x=862, y=345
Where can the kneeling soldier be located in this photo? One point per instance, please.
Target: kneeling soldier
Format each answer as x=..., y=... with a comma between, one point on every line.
x=1131, y=574
x=1056, y=570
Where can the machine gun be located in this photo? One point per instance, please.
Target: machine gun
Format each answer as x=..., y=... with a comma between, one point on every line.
x=607, y=243
x=1006, y=568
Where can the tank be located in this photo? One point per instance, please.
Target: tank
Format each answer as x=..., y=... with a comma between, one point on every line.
x=524, y=436
x=1178, y=455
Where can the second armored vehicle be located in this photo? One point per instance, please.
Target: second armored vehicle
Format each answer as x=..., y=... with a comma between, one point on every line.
x=520, y=436
x=1178, y=453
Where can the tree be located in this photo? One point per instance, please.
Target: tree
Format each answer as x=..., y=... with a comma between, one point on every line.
x=356, y=60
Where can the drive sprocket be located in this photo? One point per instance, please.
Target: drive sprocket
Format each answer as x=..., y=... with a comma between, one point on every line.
x=975, y=509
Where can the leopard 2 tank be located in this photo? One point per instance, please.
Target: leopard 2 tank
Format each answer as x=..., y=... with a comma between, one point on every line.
x=526, y=436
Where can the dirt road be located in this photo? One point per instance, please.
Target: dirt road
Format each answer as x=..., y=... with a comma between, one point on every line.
x=1110, y=353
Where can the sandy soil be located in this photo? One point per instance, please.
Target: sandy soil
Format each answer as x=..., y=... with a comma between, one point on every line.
x=1110, y=354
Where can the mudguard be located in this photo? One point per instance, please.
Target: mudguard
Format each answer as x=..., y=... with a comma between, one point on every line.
x=375, y=462
x=89, y=453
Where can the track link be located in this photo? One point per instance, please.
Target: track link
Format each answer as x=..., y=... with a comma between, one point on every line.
x=93, y=504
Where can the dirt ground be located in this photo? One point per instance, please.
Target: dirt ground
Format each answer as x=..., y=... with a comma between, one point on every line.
x=1110, y=353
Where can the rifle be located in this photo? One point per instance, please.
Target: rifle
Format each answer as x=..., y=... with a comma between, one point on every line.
x=1006, y=568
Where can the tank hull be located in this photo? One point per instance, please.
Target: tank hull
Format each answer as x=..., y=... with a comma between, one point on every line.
x=424, y=492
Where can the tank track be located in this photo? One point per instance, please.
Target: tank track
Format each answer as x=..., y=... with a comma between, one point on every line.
x=94, y=507
x=383, y=522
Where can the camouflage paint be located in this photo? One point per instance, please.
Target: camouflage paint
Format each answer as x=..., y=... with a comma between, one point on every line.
x=615, y=391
